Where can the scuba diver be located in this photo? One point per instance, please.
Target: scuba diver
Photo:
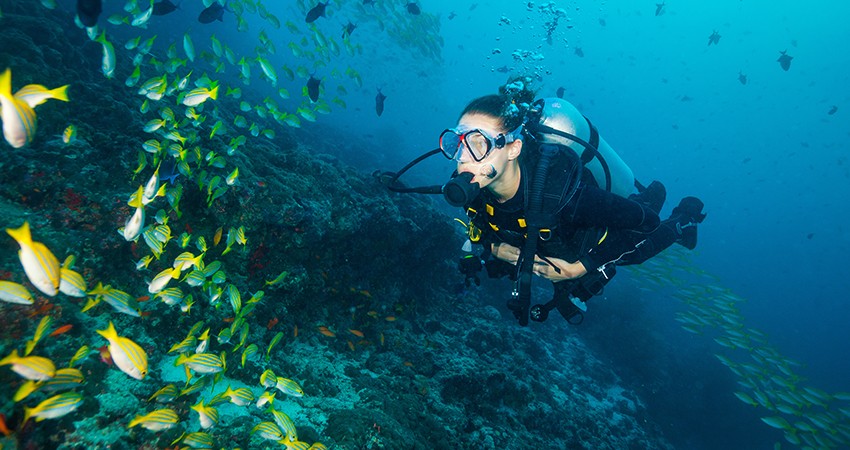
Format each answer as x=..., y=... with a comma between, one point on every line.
x=539, y=168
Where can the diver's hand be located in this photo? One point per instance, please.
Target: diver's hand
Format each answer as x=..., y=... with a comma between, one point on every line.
x=568, y=270
x=505, y=252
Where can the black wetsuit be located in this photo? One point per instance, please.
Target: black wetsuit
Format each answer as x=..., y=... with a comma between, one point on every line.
x=600, y=229
x=594, y=227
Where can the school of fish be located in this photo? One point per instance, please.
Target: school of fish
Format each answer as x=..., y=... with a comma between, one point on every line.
x=809, y=417
x=181, y=101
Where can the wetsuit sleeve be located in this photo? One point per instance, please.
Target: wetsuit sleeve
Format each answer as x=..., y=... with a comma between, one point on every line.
x=616, y=246
x=593, y=207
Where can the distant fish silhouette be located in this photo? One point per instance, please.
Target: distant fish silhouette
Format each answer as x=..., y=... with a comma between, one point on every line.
x=313, y=88
x=164, y=7
x=832, y=110
x=784, y=60
x=742, y=78
x=714, y=38
x=602, y=22
x=413, y=8
x=316, y=12
x=503, y=69
x=659, y=9
x=168, y=171
x=560, y=92
x=685, y=98
x=379, y=102
x=452, y=15
x=212, y=13
x=579, y=52
x=88, y=11
x=348, y=29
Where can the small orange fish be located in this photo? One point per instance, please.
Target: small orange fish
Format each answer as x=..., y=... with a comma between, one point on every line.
x=143, y=298
x=217, y=237
x=261, y=183
x=382, y=339
x=272, y=323
x=390, y=318
x=295, y=331
x=105, y=356
x=373, y=314
x=357, y=333
x=351, y=346
x=366, y=293
x=408, y=364
x=228, y=319
x=324, y=330
x=61, y=330
x=3, y=428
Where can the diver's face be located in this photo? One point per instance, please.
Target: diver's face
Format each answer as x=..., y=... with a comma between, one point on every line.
x=496, y=160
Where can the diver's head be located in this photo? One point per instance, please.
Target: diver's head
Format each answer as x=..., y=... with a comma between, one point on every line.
x=487, y=140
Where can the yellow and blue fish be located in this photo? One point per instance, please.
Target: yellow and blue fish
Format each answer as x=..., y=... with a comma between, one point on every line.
x=199, y=95
x=161, y=419
x=36, y=94
x=15, y=293
x=19, y=120
x=36, y=368
x=54, y=407
x=40, y=265
x=126, y=354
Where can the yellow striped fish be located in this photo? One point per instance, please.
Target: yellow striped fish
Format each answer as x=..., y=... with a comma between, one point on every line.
x=249, y=350
x=185, y=346
x=268, y=379
x=161, y=419
x=81, y=354
x=71, y=283
x=41, y=267
x=199, y=95
x=165, y=395
x=40, y=332
x=35, y=368
x=289, y=387
x=36, y=94
x=126, y=354
x=266, y=398
x=202, y=362
x=186, y=260
x=294, y=445
x=133, y=226
x=240, y=397
x=161, y=280
x=198, y=439
x=26, y=389
x=317, y=446
x=203, y=341
x=54, y=407
x=285, y=423
x=19, y=121
x=65, y=378
x=122, y=302
x=15, y=293
x=206, y=414
x=108, y=63
x=198, y=386
x=268, y=430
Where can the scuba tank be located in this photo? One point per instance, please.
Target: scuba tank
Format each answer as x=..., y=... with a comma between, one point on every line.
x=557, y=121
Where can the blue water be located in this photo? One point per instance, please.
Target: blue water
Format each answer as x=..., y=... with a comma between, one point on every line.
x=768, y=160
x=766, y=157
